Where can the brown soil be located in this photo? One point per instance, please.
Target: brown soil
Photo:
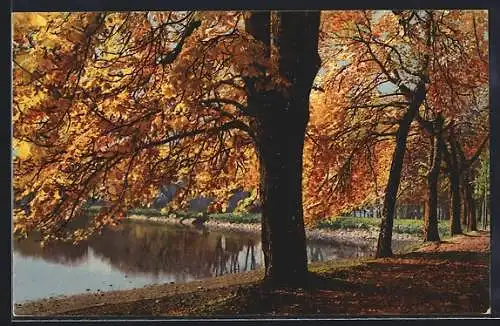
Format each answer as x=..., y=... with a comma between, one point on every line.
x=451, y=277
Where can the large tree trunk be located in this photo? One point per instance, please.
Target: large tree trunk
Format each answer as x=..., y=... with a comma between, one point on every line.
x=281, y=117
x=385, y=236
x=283, y=236
x=430, y=215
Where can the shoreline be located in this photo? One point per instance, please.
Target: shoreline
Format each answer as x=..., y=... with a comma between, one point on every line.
x=351, y=237
x=355, y=236
x=229, y=294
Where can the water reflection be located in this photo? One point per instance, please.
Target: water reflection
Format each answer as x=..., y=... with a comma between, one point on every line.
x=157, y=253
x=151, y=249
x=61, y=253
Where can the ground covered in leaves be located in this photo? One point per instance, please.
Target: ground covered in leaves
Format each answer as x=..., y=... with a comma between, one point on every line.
x=451, y=277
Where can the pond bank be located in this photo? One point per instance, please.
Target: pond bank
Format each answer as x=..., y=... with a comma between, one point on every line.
x=451, y=277
x=369, y=235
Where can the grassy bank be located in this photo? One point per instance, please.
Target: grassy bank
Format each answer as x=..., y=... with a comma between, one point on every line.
x=408, y=226
x=401, y=226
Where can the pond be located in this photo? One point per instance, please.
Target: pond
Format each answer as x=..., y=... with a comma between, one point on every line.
x=138, y=254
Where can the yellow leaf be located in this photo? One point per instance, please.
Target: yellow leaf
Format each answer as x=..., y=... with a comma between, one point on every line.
x=22, y=149
x=29, y=20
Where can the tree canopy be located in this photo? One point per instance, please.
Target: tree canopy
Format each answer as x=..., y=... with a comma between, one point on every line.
x=116, y=105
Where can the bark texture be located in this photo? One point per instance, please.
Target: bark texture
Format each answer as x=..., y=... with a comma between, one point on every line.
x=450, y=157
x=430, y=215
x=281, y=117
x=384, y=248
x=469, y=203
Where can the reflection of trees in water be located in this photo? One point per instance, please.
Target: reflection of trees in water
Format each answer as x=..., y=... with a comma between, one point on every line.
x=142, y=248
x=227, y=257
x=183, y=252
x=152, y=249
x=222, y=256
x=327, y=250
x=250, y=256
x=315, y=253
x=62, y=253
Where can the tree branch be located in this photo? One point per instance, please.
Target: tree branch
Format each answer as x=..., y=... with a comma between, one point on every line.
x=234, y=103
x=478, y=151
x=213, y=130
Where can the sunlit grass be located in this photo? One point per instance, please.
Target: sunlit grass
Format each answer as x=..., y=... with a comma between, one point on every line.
x=409, y=226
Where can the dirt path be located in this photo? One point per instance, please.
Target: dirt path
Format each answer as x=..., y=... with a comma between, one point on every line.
x=447, y=278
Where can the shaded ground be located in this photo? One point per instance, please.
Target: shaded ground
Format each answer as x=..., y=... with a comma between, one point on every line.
x=447, y=278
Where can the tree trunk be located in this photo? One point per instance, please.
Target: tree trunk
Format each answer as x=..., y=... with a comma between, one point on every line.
x=482, y=214
x=465, y=208
x=487, y=217
x=385, y=235
x=430, y=215
x=446, y=209
x=454, y=177
x=471, y=205
x=281, y=117
x=455, y=225
x=485, y=211
x=283, y=235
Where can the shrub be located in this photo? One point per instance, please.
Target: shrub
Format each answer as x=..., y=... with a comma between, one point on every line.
x=236, y=218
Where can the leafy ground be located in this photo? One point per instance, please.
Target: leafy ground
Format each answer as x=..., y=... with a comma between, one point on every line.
x=451, y=277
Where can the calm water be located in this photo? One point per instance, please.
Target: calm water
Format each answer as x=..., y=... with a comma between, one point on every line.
x=138, y=254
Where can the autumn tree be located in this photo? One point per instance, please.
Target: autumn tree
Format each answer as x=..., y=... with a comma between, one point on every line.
x=481, y=187
x=435, y=130
x=115, y=105
x=390, y=68
x=459, y=92
x=282, y=114
x=461, y=168
x=386, y=76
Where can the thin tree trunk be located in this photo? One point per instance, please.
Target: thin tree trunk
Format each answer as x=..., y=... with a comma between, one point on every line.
x=465, y=203
x=487, y=215
x=454, y=177
x=483, y=213
x=485, y=210
x=385, y=236
x=471, y=206
x=430, y=215
x=446, y=209
x=455, y=225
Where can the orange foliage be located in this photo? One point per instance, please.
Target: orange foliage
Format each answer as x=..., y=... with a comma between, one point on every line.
x=114, y=105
